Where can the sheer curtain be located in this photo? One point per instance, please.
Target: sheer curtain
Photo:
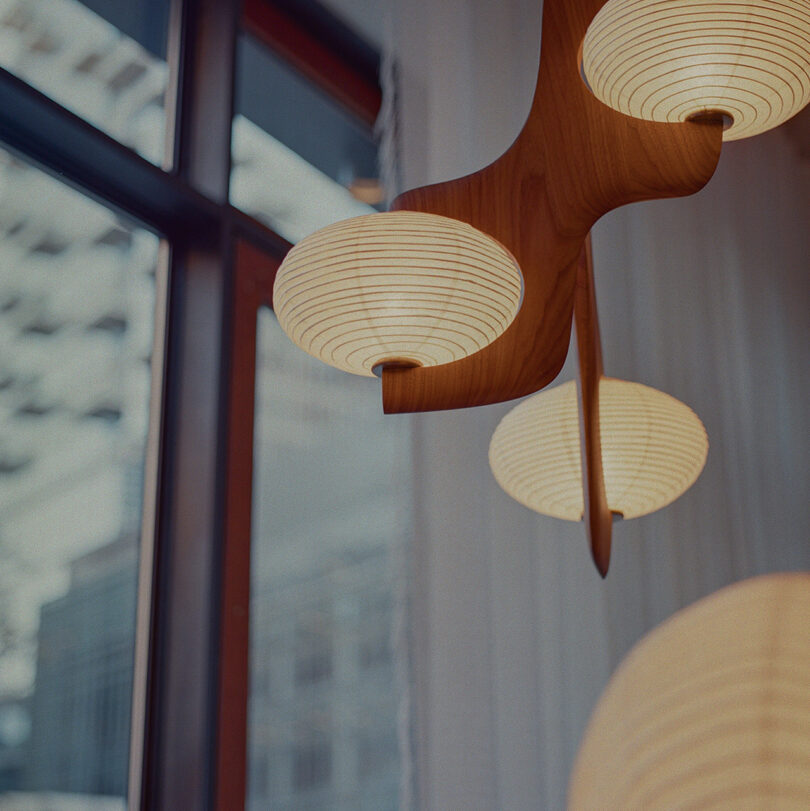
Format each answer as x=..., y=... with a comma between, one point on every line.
x=706, y=298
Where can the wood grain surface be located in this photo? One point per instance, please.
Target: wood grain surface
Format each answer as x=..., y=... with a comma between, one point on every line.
x=597, y=516
x=574, y=160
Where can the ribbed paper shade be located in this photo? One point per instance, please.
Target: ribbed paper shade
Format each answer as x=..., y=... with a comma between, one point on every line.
x=400, y=286
x=709, y=710
x=653, y=449
x=666, y=61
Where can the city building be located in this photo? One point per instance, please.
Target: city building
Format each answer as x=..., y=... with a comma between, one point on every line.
x=81, y=702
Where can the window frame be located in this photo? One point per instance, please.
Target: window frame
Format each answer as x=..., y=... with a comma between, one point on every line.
x=189, y=708
x=254, y=274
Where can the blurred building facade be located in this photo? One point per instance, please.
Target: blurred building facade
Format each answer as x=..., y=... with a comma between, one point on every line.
x=80, y=707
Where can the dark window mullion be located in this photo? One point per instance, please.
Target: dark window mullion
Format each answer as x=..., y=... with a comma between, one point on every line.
x=62, y=143
x=182, y=696
x=203, y=35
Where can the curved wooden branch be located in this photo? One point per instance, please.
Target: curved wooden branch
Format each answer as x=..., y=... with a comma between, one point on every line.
x=598, y=517
x=575, y=160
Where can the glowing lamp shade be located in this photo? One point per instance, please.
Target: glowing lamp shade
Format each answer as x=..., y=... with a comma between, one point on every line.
x=669, y=61
x=709, y=710
x=653, y=449
x=403, y=288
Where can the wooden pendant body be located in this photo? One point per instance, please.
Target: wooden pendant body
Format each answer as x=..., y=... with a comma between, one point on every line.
x=574, y=160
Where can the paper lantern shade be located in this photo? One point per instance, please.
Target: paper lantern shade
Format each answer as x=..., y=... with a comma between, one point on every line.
x=669, y=61
x=653, y=449
x=709, y=710
x=401, y=287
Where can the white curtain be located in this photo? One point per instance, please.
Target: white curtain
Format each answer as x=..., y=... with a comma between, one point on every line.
x=707, y=298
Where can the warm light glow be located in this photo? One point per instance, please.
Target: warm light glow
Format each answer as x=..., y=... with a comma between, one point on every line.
x=653, y=449
x=402, y=286
x=667, y=61
x=709, y=710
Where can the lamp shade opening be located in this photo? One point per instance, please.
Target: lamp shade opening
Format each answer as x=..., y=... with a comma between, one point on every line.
x=674, y=61
x=653, y=449
x=417, y=288
x=709, y=710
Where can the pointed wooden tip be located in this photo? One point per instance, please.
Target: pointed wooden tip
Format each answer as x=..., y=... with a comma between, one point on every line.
x=600, y=533
x=601, y=559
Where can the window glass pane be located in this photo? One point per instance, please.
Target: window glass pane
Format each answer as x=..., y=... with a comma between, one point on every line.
x=296, y=152
x=330, y=490
x=104, y=60
x=367, y=17
x=76, y=322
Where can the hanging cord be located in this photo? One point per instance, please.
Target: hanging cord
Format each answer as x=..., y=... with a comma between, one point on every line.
x=386, y=127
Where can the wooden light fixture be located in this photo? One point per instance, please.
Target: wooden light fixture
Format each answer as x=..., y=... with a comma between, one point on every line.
x=709, y=710
x=747, y=60
x=575, y=159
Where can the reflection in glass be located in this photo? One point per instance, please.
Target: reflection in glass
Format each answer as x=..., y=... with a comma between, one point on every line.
x=295, y=151
x=76, y=322
x=104, y=60
x=330, y=489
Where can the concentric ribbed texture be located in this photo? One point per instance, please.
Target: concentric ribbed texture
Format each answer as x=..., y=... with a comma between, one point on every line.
x=534, y=453
x=653, y=449
x=710, y=710
x=399, y=286
x=666, y=61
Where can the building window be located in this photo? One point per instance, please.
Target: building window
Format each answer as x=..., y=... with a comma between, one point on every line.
x=377, y=752
x=312, y=766
x=374, y=633
x=313, y=645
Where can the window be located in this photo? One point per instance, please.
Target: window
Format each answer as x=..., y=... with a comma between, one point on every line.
x=312, y=766
x=376, y=622
x=118, y=397
x=376, y=753
x=313, y=643
x=330, y=474
x=104, y=60
x=76, y=325
x=286, y=172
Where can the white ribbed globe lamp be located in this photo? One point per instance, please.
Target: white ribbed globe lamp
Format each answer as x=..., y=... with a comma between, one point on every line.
x=653, y=449
x=401, y=288
x=710, y=710
x=670, y=61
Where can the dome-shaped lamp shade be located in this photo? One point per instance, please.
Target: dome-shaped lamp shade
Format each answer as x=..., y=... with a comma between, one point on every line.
x=403, y=288
x=653, y=449
x=710, y=710
x=670, y=61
